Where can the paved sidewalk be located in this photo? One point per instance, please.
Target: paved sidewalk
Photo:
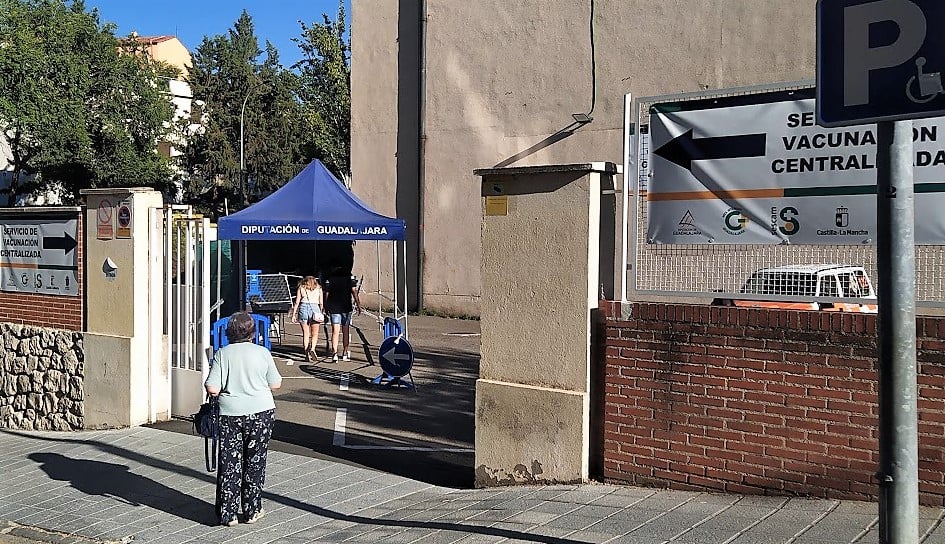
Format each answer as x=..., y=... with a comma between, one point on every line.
x=146, y=485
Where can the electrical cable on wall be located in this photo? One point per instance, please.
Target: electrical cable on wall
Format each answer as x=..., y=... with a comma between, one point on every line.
x=584, y=118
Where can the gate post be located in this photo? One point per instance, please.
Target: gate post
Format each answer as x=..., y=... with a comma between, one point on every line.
x=543, y=245
x=127, y=379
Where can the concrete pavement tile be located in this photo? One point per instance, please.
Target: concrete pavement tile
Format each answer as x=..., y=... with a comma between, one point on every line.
x=572, y=521
x=378, y=534
x=335, y=532
x=663, y=501
x=405, y=537
x=856, y=507
x=615, y=525
x=836, y=528
x=442, y=537
x=596, y=512
x=805, y=504
x=934, y=533
x=753, y=512
x=172, y=525
x=256, y=534
x=106, y=530
x=489, y=516
x=590, y=536
x=40, y=517
x=555, y=507
x=482, y=539
x=19, y=513
x=530, y=518
x=66, y=523
x=761, y=524
x=619, y=499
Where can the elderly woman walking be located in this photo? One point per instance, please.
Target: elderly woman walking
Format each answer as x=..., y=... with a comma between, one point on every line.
x=243, y=376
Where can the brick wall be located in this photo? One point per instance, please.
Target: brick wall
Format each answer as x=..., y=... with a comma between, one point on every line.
x=758, y=401
x=56, y=312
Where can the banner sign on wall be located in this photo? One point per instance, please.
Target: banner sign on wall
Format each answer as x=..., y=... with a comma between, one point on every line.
x=757, y=169
x=39, y=256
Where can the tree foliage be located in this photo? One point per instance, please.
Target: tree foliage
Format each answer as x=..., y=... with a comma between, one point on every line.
x=325, y=92
x=80, y=108
x=75, y=111
x=243, y=97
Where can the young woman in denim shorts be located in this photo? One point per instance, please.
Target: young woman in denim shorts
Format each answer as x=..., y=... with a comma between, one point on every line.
x=307, y=312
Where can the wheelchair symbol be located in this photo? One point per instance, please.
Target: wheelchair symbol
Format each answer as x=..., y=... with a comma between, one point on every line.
x=930, y=85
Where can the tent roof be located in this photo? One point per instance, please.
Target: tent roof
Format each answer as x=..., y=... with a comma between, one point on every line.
x=313, y=205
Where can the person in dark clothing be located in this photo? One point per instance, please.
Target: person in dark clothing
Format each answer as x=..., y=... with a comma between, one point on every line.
x=340, y=290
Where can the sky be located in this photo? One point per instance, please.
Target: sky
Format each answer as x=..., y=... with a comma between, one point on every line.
x=191, y=20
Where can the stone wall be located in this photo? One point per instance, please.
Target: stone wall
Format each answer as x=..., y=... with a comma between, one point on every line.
x=41, y=378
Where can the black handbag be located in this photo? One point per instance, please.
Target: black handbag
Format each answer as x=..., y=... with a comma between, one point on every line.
x=207, y=425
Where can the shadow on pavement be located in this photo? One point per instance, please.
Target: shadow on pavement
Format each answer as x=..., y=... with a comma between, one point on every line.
x=116, y=481
x=426, y=434
x=99, y=478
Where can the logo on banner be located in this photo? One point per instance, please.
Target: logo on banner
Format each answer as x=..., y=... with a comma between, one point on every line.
x=843, y=217
x=784, y=221
x=842, y=221
x=687, y=226
x=734, y=221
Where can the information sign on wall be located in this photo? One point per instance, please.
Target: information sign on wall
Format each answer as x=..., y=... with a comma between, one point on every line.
x=39, y=256
x=757, y=169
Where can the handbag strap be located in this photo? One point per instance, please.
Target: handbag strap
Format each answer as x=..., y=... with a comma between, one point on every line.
x=210, y=447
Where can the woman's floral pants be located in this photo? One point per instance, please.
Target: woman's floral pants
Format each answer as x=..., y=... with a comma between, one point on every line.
x=241, y=472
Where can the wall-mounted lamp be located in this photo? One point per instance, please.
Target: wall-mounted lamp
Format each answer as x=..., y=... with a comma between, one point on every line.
x=582, y=118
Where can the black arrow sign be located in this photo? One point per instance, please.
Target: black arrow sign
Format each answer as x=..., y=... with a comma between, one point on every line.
x=684, y=149
x=65, y=242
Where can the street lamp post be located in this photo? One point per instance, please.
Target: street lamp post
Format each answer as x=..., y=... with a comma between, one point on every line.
x=242, y=160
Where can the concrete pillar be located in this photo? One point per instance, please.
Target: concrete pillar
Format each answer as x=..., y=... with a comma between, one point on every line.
x=541, y=279
x=126, y=376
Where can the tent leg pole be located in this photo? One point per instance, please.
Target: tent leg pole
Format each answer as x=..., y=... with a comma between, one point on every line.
x=404, y=253
x=395, y=290
x=242, y=273
x=380, y=311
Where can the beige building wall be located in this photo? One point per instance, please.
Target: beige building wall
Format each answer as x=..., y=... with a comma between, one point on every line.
x=503, y=77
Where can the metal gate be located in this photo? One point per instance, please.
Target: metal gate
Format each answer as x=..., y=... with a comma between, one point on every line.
x=187, y=305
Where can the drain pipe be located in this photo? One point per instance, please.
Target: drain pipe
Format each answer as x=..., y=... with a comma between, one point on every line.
x=422, y=156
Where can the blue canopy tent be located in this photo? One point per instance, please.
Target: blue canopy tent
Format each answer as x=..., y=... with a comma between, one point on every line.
x=314, y=205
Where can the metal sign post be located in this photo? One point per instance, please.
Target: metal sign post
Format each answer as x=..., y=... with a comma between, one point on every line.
x=898, y=421
x=873, y=63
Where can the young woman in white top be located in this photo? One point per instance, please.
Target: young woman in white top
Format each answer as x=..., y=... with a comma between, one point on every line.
x=307, y=312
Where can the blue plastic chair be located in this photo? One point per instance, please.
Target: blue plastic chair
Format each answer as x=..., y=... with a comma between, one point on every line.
x=218, y=332
x=392, y=327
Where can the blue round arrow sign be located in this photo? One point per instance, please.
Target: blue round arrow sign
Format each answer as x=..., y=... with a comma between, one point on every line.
x=396, y=355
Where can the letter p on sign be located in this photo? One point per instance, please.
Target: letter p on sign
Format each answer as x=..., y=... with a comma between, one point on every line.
x=860, y=57
x=879, y=60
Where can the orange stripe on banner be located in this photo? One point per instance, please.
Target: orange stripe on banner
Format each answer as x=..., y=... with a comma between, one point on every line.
x=19, y=265
x=716, y=195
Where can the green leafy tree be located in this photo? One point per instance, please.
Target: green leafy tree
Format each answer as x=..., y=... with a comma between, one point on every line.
x=76, y=111
x=325, y=93
x=228, y=76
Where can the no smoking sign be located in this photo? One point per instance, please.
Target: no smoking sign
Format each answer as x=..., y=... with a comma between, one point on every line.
x=105, y=228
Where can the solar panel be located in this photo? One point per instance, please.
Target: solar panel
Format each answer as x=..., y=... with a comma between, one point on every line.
x=272, y=293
